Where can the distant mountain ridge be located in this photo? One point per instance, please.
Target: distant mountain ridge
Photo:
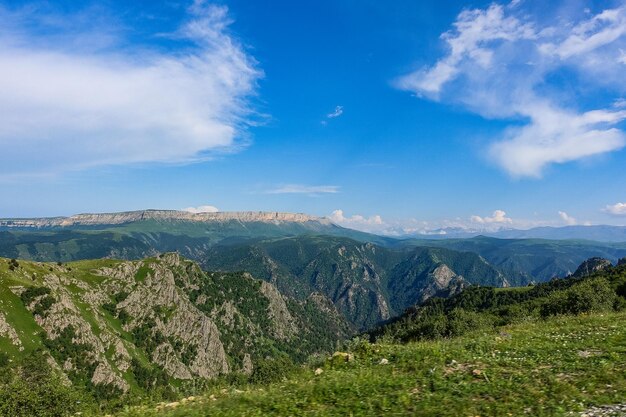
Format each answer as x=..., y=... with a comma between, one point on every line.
x=91, y=219
x=138, y=234
x=598, y=233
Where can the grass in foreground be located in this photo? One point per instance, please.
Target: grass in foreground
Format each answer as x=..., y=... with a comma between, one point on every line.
x=542, y=368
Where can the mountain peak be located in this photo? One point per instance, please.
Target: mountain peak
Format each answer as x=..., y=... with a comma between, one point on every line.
x=591, y=266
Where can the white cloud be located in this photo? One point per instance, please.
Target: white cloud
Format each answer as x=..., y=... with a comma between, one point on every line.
x=557, y=136
x=498, y=65
x=602, y=29
x=498, y=216
x=372, y=224
x=619, y=103
x=67, y=108
x=201, y=209
x=473, y=225
x=402, y=227
x=336, y=113
x=617, y=209
x=305, y=189
x=339, y=217
x=474, y=30
x=567, y=219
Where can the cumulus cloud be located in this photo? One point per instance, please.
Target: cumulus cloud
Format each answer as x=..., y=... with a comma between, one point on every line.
x=498, y=217
x=336, y=113
x=65, y=108
x=567, y=219
x=617, y=209
x=498, y=64
x=372, y=224
x=339, y=217
x=304, y=189
x=201, y=209
x=472, y=225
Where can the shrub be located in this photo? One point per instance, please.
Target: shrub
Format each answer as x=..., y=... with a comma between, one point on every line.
x=147, y=378
x=31, y=293
x=42, y=307
x=4, y=359
x=35, y=390
x=271, y=370
x=462, y=321
x=594, y=295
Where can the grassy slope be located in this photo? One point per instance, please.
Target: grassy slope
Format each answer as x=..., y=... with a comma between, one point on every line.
x=543, y=368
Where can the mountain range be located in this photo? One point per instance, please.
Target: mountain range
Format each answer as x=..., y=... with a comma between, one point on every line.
x=600, y=233
x=134, y=235
x=139, y=301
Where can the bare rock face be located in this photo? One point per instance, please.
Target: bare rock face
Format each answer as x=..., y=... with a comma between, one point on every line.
x=442, y=275
x=166, y=356
x=64, y=313
x=247, y=365
x=351, y=298
x=191, y=326
x=328, y=308
x=104, y=375
x=444, y=282
x=121, y=356
x=162, y=316
x=591, y=266
x=186, y=323
x=161, y=215
x=6, y=330
x=284, y=324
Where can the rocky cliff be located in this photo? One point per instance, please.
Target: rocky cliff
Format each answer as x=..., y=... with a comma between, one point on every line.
x=366, y=283
x=591, y=266
x=131, y=325
x=162, y=215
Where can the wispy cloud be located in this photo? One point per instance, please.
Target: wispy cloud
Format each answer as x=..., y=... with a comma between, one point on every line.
x=304, y=189
x=336, y=113
x=201, y=209
x=498, y=65
x=617, y=209
x=66, y=108
x=620, y=102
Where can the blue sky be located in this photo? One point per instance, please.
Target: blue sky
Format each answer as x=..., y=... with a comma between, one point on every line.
x=388, y=116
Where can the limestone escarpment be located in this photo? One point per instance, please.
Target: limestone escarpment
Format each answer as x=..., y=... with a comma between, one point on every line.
x=161, y=215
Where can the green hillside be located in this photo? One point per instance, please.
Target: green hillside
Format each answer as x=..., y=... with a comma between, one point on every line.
x=160, y=337
x=136, y=235
x=566, y=353
x=525, y=260
x=118, y=331
x=366, y=282
x=557, y=367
